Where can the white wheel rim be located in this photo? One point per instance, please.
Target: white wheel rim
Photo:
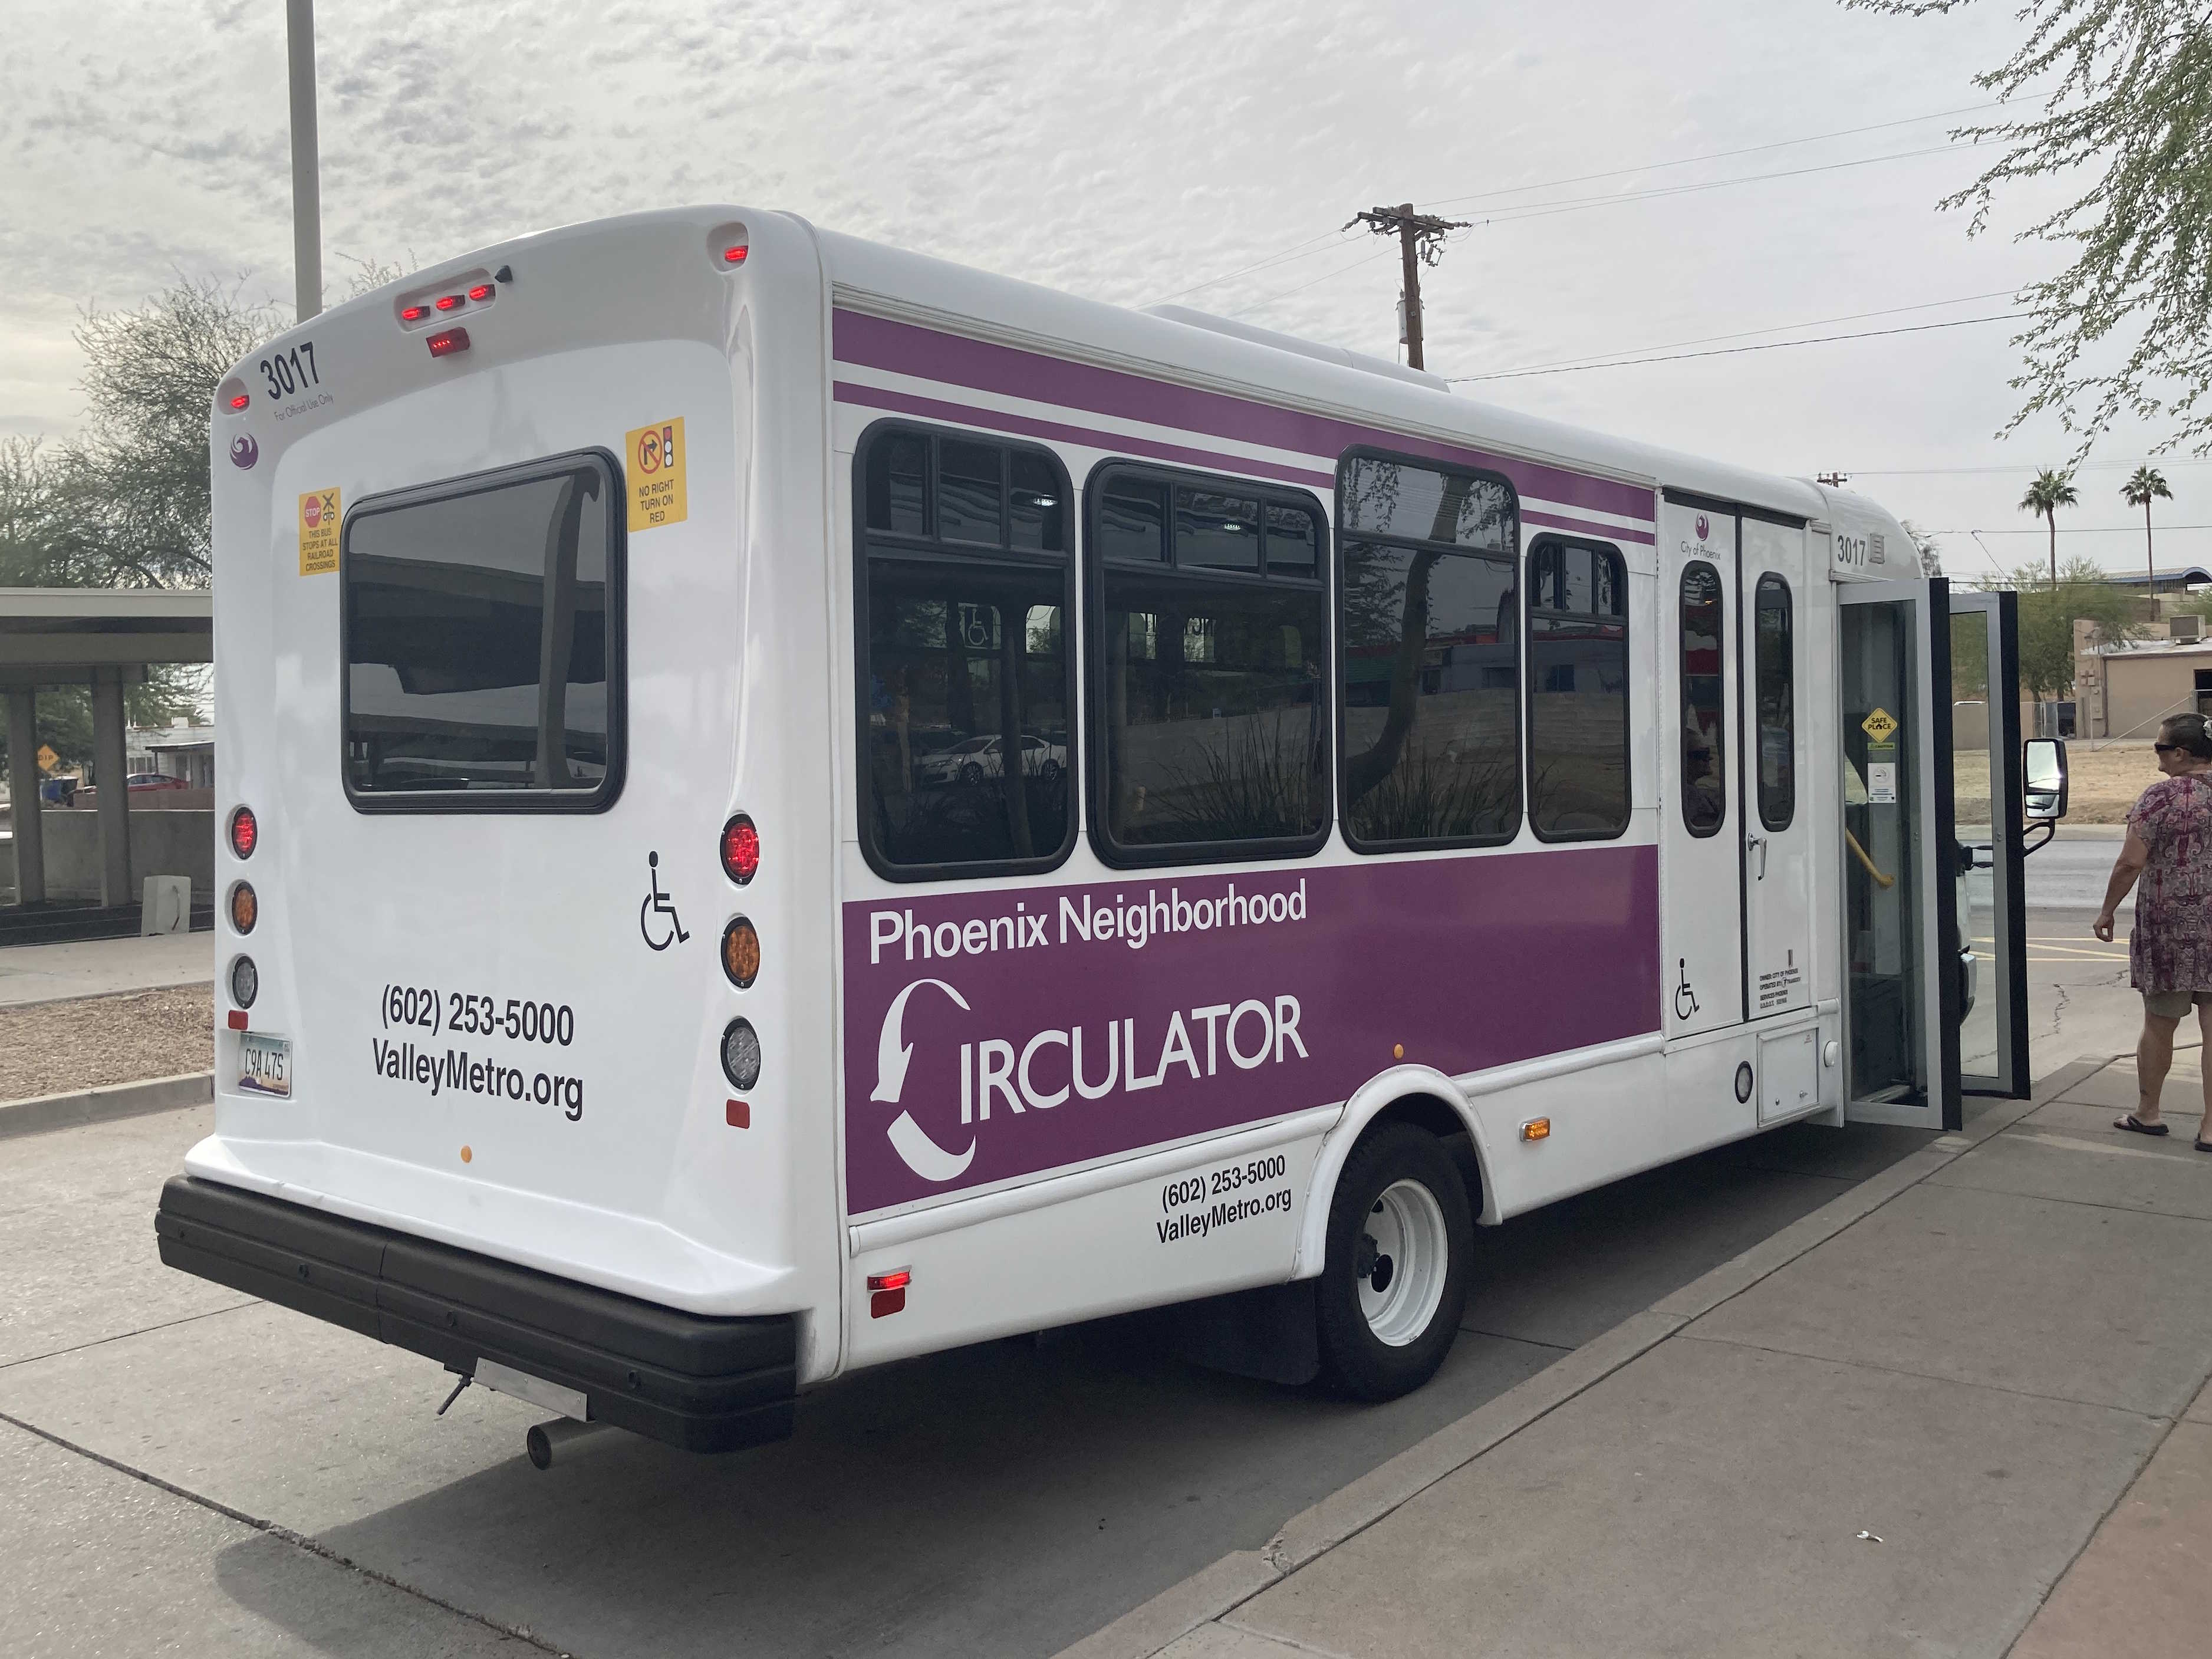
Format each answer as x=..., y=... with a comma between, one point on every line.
x=1403, y=1245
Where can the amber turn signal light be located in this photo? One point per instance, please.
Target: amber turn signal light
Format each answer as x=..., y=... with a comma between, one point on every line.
x=245, y=908
x=1536, y=1128
x=741, y=953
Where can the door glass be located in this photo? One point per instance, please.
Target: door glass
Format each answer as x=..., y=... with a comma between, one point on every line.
x=1705, y=758
x=1777, y=705
x=1882, y=855
x=1975, y=730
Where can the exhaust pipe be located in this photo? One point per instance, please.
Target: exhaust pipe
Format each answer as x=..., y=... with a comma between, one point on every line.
x=545, y=1437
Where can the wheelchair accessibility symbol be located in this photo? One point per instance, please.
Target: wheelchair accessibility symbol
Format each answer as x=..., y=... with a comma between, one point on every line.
x=1686, y=999
x=657, y=905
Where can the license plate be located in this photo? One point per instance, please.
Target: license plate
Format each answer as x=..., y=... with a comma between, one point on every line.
x=264, y=1065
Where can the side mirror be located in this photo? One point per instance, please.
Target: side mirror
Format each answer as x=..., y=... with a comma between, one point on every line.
x=2043, y=771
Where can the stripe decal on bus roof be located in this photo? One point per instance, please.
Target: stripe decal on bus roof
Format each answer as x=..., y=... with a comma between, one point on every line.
x=929, y=354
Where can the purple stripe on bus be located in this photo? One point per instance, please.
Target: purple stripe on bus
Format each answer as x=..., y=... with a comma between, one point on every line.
x=930, y=354
x=907, y=402
x=1587, y=527
x=998, y=1035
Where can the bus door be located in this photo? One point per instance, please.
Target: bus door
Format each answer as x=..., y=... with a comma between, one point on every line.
x=1899, y=923
x=1773, y=804
x=1985, y=788
x=1702, y=751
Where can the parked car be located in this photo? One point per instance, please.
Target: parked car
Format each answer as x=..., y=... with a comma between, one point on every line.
x=974, y=759
x=138, y=782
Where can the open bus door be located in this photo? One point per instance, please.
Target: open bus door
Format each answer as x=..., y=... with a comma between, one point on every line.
x=1987, y=798
x=1902, y=988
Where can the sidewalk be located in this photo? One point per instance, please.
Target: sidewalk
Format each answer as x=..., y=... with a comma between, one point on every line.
x=90, y=968
x=1960, y=1411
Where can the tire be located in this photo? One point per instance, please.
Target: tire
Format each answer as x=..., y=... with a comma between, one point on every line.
x=1049, y=772
x=971, y=774
x=1400, y=1212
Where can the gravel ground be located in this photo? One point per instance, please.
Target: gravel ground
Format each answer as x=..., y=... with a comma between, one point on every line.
x=54, y=1047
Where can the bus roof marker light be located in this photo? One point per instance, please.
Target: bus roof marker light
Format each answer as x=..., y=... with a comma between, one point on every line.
x=741, y=849
x=736, y=254
x=452, y=301
x=481, y=292
x=413, y=314
x=449, y=341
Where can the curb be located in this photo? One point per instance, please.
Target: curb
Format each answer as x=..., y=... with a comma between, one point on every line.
x=161, y=1094
x=1145, y=1630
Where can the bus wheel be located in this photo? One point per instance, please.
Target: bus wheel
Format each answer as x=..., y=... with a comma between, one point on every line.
x=1394, y=1282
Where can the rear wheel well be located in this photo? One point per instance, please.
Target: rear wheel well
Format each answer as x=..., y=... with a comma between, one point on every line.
x=1427, y=1112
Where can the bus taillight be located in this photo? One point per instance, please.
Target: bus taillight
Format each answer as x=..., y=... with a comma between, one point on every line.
x=245, y=833
x=735, y=254
x=741, y=849
x=887, y=1291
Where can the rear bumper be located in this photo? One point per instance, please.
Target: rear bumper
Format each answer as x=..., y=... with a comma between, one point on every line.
x=702, y=1383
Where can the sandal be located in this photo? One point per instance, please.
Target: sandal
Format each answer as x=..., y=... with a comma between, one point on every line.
x=2135, y=1126
x=2202, y=1145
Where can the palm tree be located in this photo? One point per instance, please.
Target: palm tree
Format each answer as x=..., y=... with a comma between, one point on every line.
x=2149, y=484
x=2050, y=491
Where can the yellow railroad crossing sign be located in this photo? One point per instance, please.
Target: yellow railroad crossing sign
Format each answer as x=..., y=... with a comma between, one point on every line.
x=1878, y=726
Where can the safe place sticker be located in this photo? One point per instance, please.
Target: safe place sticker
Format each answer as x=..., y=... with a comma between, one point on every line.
x=319, y=531
x=655, y=457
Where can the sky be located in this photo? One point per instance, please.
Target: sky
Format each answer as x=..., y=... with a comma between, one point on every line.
x=1204, y=152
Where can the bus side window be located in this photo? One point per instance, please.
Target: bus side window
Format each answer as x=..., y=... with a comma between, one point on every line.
x=1704, y=751
x=1209, y=703
x=1430, y=665
x=966, y=681
x=1577, y=690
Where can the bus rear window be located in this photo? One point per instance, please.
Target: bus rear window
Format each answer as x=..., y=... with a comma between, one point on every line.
x=482, y=641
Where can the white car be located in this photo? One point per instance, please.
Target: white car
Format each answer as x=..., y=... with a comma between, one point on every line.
x=974, y=759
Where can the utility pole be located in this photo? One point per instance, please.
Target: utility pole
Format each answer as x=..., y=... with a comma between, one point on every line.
x=306, y=185
x=1421, y=238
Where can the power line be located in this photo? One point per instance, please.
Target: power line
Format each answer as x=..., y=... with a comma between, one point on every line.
x=1716, y=155
x=1731, y=351
x=1290, y=252
x=1582, y=204
x=2072, y=529
x=1599, y=359
x=1268, y=300
x=2086, y=466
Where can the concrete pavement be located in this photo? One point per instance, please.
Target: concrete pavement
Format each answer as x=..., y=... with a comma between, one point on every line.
x=1942, y=1412
x=91, y=968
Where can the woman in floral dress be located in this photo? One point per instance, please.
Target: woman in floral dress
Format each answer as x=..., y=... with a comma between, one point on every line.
x=2169, y=847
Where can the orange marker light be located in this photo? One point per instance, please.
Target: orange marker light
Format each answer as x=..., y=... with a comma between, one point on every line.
x=741, y=953
x=467, y=1154
x=1536, y=1128
x=245, y=908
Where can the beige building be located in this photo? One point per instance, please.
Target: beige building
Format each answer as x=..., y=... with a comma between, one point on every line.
x=2125, y=690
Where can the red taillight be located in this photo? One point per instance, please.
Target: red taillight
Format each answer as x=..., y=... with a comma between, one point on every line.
x=482, y=291
x=245, y=833
x=735, y=253
x=448, y=340
x=413, y=314
x=887, y=1292
x=449, y=303
x=741, y=849
x=240, y=401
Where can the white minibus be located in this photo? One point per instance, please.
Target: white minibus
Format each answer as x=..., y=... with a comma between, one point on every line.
x=786, y=804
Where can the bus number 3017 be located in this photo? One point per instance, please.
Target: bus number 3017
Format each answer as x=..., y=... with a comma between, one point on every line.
x=1196, y=1189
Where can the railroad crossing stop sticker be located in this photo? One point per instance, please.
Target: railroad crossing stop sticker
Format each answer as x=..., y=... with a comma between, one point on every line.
x=1878, y=727
x=319, y=531
x=655, y=455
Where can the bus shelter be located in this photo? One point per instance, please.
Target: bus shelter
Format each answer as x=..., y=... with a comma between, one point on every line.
x=106, y=639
